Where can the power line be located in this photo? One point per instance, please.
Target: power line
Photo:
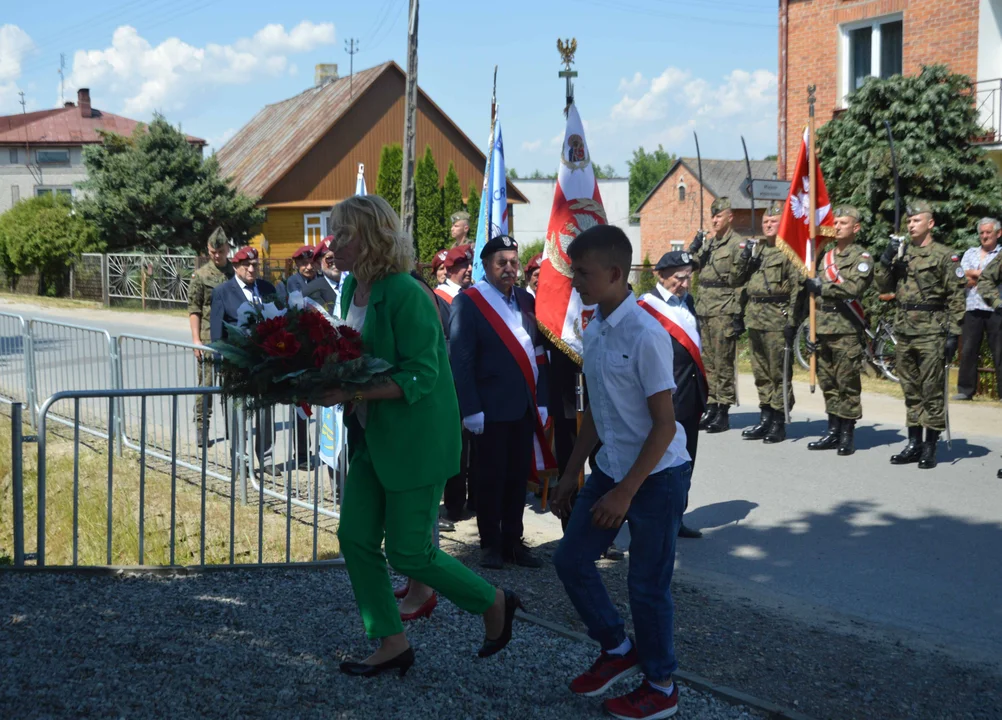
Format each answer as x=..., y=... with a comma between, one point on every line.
x=389, y=29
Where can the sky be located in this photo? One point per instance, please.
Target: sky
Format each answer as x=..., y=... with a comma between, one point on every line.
x=650, y=71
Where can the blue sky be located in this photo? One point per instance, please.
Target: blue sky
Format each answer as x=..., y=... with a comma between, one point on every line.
x=650, y=70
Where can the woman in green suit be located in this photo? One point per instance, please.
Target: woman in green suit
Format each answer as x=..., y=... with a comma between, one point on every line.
x=406, y=441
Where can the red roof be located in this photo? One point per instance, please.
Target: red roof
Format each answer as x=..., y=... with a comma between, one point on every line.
x=65, y=126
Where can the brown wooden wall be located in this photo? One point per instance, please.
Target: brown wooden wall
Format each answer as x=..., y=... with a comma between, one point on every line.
x=328, y=171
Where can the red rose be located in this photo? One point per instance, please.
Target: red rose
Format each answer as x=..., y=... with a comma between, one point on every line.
x=321, y=353
x=350, y=333
x=348, y=348
x=316, y=326
x=280, y=344
x=270, y=327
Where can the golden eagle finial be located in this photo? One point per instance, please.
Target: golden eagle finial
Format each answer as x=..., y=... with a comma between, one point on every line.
x=567, y=48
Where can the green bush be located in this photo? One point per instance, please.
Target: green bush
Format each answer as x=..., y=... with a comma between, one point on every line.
x=646, y=280
x=429, y=208
x=390, y=175
x=452, y=199
x=473, y=208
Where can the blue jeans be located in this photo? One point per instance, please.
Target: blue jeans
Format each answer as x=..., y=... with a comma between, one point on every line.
x=655, y=516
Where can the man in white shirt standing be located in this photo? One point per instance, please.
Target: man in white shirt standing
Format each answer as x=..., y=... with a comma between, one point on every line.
x=979, y=319
x=641, y=475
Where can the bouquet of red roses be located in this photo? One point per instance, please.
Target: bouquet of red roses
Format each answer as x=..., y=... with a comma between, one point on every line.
x=288, y=350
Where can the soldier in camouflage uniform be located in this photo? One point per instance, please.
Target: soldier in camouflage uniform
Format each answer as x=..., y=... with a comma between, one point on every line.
x=773, y=284
x=203, y=282
x=928, y=283
x=718, y=306
x=844, y=274
x=990, y=290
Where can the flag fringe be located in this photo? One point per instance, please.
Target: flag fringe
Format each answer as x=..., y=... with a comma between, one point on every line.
x=798, y=262
x=561, y=345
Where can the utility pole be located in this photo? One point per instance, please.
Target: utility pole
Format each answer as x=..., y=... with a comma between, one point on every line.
x=62, y=78
x=351, y=47
x=410, y=122
x=27, y=147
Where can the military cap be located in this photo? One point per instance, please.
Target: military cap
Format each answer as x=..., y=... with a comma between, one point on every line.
x=674, y=259
x=720, y=204
x=847, y=211
x=917, y=207
x=305, y=251
x=218, y=239
x=458, y=254
x=496, y=243
x=439, y=259
x=774, y=208
x=323, y=248
x=245, y=254
x=534, y=262
x=457, y=216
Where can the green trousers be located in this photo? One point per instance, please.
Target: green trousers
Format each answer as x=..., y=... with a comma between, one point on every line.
x=921, y=367
x=839, y=358
x=767, y=355
x=719, y=345
x=368, y=514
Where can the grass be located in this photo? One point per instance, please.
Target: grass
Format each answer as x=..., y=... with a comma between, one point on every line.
x=93, y=514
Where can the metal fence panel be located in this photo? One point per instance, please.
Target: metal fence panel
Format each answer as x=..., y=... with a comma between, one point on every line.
x=16, y=381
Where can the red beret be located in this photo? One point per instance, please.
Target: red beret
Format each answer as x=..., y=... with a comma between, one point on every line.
x=436, y=262
x=534, y=263
x=304, y=251
x=324, y=247
x=458, y=254
x=244, y=253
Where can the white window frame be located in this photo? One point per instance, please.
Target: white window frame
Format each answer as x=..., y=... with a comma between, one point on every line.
x=313, y=228
x=53, y=189
x=845, y=59
x=67, y=161
x=677, y=245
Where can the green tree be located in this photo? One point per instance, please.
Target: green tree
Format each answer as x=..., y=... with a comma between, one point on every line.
x=473, y=207
x=452, y=198
x=645, y=280
x=530, y=250
x=154, y=191
x=605, y=172
x=646, y=171
x=390, y=176
x=44, y=234
x=933, y=119
x=428, y=198
x=512, y=174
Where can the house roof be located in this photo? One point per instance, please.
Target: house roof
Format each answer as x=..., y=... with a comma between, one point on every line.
x=66, y=126
x=722, y=178
x=280, y=135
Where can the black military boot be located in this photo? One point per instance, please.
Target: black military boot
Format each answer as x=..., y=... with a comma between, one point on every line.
x=928, y=461
x=757, y=432
x=913, y=450
x=846, y=439
x=828, y=441
x=707, y=418
x=720, y=421
x=776, y=432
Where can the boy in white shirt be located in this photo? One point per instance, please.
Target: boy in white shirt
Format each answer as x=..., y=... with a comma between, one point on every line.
x=641, y=476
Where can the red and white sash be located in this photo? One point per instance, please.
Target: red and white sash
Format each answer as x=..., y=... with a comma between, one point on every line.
x=519, y=344
x=448, y=291
x=835, y=277
x=680, y=324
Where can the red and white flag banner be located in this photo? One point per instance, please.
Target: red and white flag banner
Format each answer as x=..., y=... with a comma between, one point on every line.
x=794, y=225
x=577, y=206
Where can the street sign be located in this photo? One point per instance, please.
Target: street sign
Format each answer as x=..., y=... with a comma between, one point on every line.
x=767, y=189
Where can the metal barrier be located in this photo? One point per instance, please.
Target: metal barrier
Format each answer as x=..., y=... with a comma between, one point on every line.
x=16, y=376
x=131, y=521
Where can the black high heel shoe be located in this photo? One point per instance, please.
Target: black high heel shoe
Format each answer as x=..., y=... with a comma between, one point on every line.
x=401, y=662
x=496, y=645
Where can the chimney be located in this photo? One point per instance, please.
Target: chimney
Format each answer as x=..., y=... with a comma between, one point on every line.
x=83, y=100
x=68, y=104
x=325, y=73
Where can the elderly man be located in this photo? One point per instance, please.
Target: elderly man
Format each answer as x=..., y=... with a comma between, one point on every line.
x=990, y=289
x=438, y=267
x=203, y=282
x=460, y=229
x=501, y=380
x=532, y=273
x=672, y=306
x=979, y=319
x=326, y=288
x=305, y=269
x=458, y=273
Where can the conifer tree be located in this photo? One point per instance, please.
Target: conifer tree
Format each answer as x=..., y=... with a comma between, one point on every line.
x=390, y=176
x=473, y=208
x=452, y=197
x=428, y=195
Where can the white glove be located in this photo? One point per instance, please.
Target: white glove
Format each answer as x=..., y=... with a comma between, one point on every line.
x=474, y=423
x=544, y=415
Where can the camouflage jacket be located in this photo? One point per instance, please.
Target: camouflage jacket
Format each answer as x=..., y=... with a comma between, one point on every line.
x=719, y=286
x=203, y=282
x=928, y=284
x=854, y=266
x=773, y=283
x=990, y=283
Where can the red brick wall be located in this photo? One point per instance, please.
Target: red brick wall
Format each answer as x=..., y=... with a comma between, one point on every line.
x=935, y=31
x=665, y=218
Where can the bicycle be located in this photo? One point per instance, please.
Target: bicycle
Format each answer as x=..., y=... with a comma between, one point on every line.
x=878, y=351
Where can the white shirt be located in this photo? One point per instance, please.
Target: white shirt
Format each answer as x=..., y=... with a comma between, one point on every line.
x=671, y=299
x=450, y=288
x=510, y=300
x=250, y=291
x=972, y=260
x=628, y=358
x=356, y=320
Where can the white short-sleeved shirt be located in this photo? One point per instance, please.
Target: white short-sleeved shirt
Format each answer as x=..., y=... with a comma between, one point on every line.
x=628, y=358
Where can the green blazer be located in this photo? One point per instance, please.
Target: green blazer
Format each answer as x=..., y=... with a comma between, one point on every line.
x=414, y=441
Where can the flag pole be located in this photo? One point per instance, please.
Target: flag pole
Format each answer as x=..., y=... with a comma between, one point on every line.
x=813, y=231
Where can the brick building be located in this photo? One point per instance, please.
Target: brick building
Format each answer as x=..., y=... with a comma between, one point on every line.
x=669, y=215
x=836, y=44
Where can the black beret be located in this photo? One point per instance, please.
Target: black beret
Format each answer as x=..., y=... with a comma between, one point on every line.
x=498, y=242
x=675, y=258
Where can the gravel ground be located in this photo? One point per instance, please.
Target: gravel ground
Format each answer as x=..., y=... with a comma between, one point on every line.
x=822, y=667
x=266, y=644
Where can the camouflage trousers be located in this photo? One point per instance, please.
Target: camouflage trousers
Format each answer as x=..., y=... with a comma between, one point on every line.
x=767, y=358
x=718, y=346
x=839, y=358
x=206, y=378
x=921, y=367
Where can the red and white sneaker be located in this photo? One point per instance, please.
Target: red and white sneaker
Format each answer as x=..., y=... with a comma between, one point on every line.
x=644, y=703
x=605, y=671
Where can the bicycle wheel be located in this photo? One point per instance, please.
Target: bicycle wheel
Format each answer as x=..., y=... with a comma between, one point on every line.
x=883, y=357
x=800, y=347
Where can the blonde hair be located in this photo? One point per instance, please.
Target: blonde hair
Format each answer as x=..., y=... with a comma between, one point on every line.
x=385, y=248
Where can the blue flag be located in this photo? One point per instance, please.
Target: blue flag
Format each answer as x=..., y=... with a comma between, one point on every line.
x=493, y=220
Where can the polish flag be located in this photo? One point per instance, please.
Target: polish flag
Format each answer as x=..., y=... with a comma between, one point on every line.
x=577, y=206
x=794, y=226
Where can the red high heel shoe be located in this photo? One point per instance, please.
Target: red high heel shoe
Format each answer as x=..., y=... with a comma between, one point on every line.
x=422, y=612
x=402, y=591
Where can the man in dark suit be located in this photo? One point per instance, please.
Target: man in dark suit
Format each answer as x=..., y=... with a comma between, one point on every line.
x=227, y=297
x=306, y=271
x=326, y=287
x=673, y=306
x=501, y=379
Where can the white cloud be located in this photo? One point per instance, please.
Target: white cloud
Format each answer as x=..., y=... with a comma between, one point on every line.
x=634, y=84
x=652, y=104
x=165, y=76
x=15, y=45
x=532, y=146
